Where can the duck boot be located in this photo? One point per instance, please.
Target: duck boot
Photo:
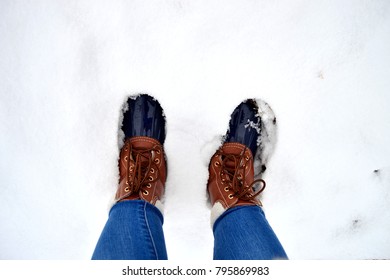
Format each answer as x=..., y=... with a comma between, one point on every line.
x=142, y=164
x=231, y=170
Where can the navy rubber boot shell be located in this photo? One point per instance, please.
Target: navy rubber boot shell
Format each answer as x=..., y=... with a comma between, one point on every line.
x=144, y=117
x=244, y=125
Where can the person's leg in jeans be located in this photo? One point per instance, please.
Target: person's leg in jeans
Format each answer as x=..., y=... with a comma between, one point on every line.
x=133, y=232
x=134, y=227
x=240, y=228
x=243, y=233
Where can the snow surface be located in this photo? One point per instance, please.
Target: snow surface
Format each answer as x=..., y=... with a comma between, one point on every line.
x=67, y=66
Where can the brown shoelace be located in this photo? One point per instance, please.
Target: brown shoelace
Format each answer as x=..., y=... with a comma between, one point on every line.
x=145, y=168
x=230, y=173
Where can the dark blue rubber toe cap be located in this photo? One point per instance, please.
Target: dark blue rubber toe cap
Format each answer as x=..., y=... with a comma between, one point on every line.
x=144, y=117
x=245, y=125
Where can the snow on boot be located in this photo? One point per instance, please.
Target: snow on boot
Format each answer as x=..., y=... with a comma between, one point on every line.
x=244, y=125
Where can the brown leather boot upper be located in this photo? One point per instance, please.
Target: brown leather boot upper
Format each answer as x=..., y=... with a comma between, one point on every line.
x=231, y=177
x=142, y=169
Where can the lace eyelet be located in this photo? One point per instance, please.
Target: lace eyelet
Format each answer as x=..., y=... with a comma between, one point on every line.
x=247, y=158
x=125, y=158
x=226, y=189
x=131, y=168
x=157, y=161
x=145, y=192
x=148, y=185
x=216, y=163
x=230, y=196
x=150, y=178
x=127, y=183
x=152, y=170
x=158, y=152
x=127, y=189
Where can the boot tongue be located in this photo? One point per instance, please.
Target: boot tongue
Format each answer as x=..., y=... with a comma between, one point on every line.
x=141, y=142
x=236, y=149
x=233, y=151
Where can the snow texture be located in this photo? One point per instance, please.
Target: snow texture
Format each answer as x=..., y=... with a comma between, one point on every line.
x=66, y=68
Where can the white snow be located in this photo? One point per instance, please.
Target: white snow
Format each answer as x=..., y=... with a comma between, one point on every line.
x=323, y=66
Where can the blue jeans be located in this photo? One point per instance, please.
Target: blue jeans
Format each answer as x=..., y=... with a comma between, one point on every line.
x=134, y=232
